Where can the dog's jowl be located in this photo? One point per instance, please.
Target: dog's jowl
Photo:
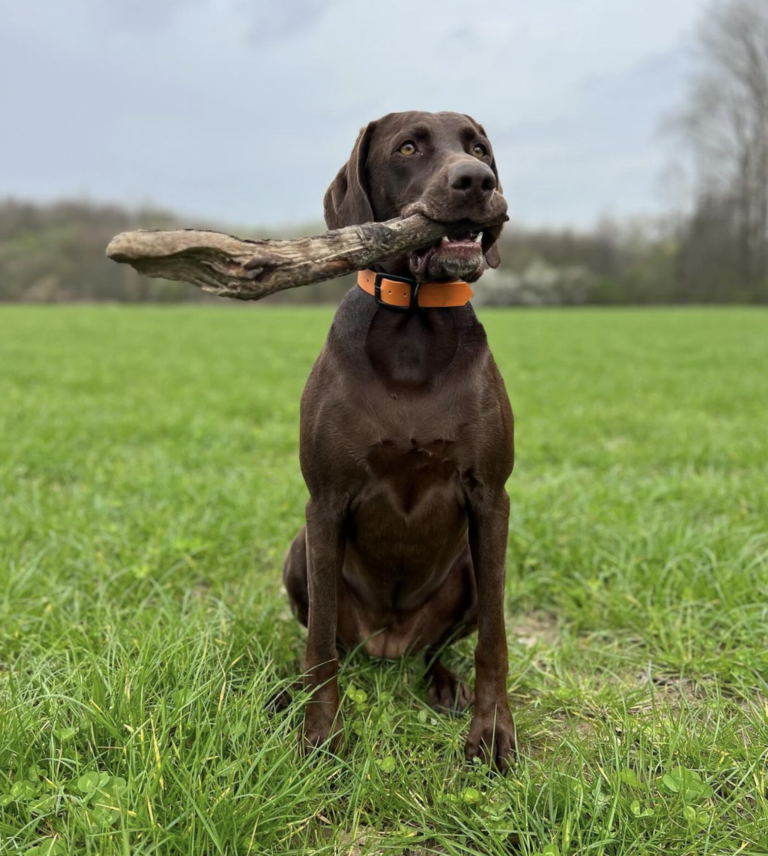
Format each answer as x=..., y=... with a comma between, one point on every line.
x=407, y=438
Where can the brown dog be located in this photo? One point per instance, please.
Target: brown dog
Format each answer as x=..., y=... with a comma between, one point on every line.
x=407, y=441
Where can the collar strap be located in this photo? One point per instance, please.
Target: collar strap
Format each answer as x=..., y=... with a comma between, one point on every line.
x=404, y=293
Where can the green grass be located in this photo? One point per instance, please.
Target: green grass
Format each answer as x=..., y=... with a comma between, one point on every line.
x=149, y=486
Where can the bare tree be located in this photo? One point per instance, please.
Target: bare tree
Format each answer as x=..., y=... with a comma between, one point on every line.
x=726, y=125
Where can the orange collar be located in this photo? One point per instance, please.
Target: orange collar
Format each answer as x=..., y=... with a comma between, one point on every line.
x=400, y=292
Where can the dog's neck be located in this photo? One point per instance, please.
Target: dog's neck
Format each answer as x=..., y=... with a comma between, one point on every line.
x=412, y=349
x=405, y=350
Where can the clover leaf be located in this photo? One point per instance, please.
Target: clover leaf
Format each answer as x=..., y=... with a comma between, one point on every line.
x=387, y=764
x=639, y=811
x=686, y=782
x=629, y=777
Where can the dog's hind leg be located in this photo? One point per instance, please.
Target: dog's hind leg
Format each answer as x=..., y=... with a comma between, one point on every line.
x=457, y=603
x=446, y=692
x=295, y=582
x=295, y=576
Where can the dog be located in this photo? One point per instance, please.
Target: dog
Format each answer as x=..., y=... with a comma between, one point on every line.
x=407, y=439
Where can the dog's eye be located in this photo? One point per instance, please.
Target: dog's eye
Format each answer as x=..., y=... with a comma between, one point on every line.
x=479, y=151
x=407, y=149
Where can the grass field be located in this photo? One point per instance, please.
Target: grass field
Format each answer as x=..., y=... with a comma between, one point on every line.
x=149, y=486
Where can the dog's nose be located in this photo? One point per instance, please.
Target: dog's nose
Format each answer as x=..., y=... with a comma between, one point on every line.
x=472, y=179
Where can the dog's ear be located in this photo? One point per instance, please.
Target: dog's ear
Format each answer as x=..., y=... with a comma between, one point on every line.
x=490, y=236
x=347, y=201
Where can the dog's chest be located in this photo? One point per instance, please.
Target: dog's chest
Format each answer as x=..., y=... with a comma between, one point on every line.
x=409, y=515
x=415, y=462
x=424, y=438
x=413, y=458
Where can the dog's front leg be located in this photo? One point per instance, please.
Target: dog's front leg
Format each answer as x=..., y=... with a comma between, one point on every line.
x=325, y=555
x=492, y=731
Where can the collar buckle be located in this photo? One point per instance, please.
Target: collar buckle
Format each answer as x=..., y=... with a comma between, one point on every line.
x=415, y=286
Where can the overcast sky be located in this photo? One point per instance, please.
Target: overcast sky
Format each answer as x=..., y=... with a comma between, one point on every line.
x=243, y=110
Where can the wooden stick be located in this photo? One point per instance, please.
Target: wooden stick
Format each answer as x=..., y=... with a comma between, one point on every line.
x=252, y=269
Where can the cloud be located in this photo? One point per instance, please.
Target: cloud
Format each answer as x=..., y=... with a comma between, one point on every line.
x=138, y=16
x=274, y=22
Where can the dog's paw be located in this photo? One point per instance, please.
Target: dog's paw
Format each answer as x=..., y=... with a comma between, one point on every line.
x=446, y=693
x=320, y=730
x=492, y=738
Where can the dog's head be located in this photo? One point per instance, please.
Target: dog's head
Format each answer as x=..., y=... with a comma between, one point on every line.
x=437, y=164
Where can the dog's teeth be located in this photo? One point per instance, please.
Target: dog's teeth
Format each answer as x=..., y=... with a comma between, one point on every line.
x=478, y=237
x=446, y=239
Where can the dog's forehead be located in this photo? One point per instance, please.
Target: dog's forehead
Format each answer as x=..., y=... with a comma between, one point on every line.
x=418, y=120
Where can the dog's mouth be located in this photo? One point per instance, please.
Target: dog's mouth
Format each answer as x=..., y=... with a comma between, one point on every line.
x=459, y=255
